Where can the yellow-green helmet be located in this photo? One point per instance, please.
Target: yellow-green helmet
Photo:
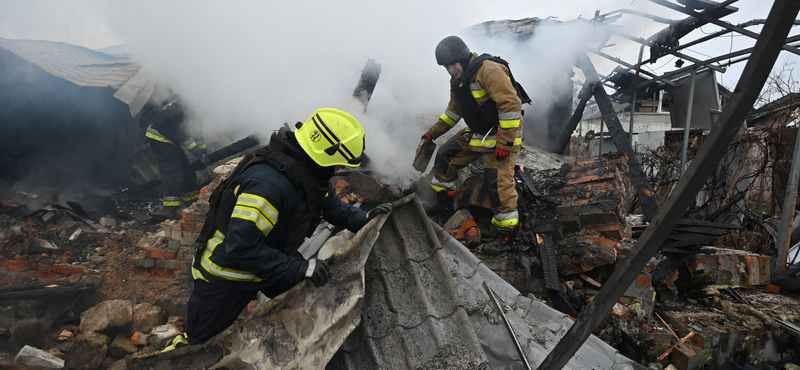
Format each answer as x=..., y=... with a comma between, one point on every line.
x=332, y=137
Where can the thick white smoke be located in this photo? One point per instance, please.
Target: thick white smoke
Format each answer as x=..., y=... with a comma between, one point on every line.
x=248, y=67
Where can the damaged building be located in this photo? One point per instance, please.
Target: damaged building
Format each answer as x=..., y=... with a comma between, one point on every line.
x=671, y=255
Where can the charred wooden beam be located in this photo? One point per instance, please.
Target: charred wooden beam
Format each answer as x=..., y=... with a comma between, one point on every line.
x=45, y=291
x=367, y=82
x=756, y=72
x=668, y=38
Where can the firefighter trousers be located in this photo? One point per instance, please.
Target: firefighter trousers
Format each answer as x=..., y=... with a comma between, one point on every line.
x=498, y=175
x=212, y=309
x=178, y=178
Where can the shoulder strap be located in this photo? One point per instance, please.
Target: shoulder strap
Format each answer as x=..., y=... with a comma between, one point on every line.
x=214, y=204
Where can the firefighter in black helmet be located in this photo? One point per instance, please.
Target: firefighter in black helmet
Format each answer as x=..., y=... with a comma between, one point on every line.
x=484, y=93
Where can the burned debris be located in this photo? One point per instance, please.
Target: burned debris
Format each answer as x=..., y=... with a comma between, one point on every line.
x=671, y=257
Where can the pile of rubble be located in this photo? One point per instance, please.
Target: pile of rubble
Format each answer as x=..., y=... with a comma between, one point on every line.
x=128, y=281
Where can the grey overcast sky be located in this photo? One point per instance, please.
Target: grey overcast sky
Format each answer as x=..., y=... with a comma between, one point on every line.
x=249, y=65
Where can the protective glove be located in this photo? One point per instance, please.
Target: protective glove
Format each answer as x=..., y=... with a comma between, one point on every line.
x=382, y=208
x=201, y=163
x=316, y=269
x=427, y=137
x=500, y=153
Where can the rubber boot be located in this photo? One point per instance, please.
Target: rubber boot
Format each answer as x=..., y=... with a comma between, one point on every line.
x=502, y=244
x=177, y=342
x=166, y=213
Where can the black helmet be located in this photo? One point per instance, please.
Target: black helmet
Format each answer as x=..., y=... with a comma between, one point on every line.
x=450, y=50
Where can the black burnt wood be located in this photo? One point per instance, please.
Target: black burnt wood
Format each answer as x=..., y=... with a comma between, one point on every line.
x=638, y=178
x=45, y=291
x=563, y=140
x=755, y=74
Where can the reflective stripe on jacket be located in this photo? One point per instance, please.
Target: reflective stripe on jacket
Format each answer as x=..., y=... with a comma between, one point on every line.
x=247, y=256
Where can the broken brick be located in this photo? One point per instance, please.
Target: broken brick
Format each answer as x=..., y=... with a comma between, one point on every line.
x=65, y=334
x=772, y=288
x=188, y=226
x=159, y=254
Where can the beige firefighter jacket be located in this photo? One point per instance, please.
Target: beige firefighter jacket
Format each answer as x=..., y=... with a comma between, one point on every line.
x=491, y=82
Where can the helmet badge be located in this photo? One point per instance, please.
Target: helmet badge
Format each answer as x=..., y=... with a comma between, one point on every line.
x=315, y=136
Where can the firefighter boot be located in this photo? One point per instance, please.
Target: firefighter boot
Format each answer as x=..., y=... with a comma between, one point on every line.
x=442, y=206
x=503, y=243
x=166, y=213
x=177, y=342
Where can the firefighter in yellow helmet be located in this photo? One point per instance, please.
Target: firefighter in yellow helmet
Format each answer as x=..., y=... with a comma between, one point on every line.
x=485, y=94
x=261, y=214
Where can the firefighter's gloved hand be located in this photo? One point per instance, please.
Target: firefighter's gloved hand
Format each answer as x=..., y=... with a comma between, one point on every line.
x=201, y=163
x=427, y=137
x=379, y=209
x=315, y=269
x=500, y=153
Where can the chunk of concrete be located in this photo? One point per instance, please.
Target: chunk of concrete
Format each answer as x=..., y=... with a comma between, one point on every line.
x=88, y=352
x=161, y=335
x=146, y=316
x=107, y=315
x=121, y=347
x=108, y=222
x=454, y=222
x=28, y=332
x=119, y=365
x=34, y=357
x=30, y=356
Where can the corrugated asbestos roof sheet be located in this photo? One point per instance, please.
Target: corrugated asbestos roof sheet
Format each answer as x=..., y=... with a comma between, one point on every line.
x=79, y=65
x=425, y=308
x=412, y=316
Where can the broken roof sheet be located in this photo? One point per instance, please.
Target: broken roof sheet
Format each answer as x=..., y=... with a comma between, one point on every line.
x=538, y=326
x=424, y=301
x=76, y=64
x=412, y=315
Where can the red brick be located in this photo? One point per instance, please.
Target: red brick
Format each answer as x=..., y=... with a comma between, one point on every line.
x=13, y=264
x=643, y=281
x=613, y=231
x=188, y=226
x=773, y=288
x=135, y=339
x=164, y=274
x=583, y=179
x=188, y=216
x=339, y=185
x=67, y=269
x=160, y=254
x=198, y=227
